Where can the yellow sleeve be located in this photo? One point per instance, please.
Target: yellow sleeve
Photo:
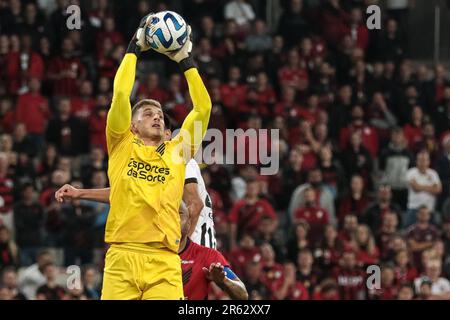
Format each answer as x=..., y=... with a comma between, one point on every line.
x=197, y=120
x=119, y=116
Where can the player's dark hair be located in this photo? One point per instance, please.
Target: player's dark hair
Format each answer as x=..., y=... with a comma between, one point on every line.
x=168, y=123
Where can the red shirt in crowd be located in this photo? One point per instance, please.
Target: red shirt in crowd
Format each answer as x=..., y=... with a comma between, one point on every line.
x=296, y=292
x=115, y=37
x=193, y=258
x=415, y=232
x=7, y=121
x=413, y=135
x=384, y=239
x=241, y=257
x=369, y=138
x=292, y=76
x=366, y=258
x=32, y=110
x=82, y=107
x=67, y=73
x=351, y=283
x=271, y=275
x=289, y=111
x=317, y=219
x=97, y=127
x=349, y=205
x=360, y=35
x=157, y=93
x=14, y=73
x=247, y=216
x=405, y=275
x=266, y=96
x=333, y=23
x=233, y=96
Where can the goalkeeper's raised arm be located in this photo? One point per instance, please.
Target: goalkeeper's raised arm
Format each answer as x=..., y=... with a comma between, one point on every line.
x=198, y=118
x=119, y=116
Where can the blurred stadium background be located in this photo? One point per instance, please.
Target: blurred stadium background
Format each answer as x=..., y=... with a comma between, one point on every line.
x=361, y=114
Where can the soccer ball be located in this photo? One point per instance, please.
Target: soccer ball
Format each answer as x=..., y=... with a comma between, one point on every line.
x=166, y=32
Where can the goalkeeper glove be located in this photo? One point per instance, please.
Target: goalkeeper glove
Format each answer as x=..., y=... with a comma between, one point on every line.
x=183, y=56
x=138, y=43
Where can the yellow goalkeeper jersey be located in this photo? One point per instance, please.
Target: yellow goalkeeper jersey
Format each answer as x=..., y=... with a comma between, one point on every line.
x=147, y=181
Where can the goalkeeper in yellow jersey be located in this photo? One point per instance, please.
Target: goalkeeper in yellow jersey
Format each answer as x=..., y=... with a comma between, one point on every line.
x=146, y=176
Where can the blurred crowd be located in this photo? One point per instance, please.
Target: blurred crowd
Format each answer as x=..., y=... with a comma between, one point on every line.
x=364, y=145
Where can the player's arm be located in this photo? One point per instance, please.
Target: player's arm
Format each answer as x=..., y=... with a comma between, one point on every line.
x=201, y=100
x=119, y=115
x=68, y=192
x=193, y=202
x=226, y=280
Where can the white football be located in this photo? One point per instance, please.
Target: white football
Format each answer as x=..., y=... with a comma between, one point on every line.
x=166, y=32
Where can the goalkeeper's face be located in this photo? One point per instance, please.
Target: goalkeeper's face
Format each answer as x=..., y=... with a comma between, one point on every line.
x=148, y=122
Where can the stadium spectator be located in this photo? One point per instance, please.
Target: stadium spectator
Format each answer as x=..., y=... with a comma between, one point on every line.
x=78, y=224
x=241, y=12
x=298, y=240
x=386, y=234
x=32, y=277
x=307, y=274
x=376, y=212
x=247, y=213
x=327, y=252
x=324, y=196
x=316, y=217
x=258, y=40
x=288, y=288
x=326, y=290
x=28, y=220
x=405, y=292
x=32, y=110
x=367, y=252
x=66, y=132
x=348, y=231
x=91, y=282
x=22, y=66
x=413, y=128
x=350, y=279
x=256, y=289
x=424, y=186
x=83, y=105
x=292, y=24
x=404, y=271
x=8, y=249
x=421, y=236
x=331, y=168
x=395, y=160
x=50, y=290
x=9, y=280
x=268, y=233
x=389, y=289
x=354, y=203
x=439, y=286
x=272, y=272
x=66, y=71
x=357, y=160
x=246, y=253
